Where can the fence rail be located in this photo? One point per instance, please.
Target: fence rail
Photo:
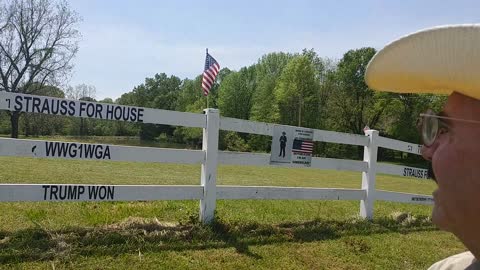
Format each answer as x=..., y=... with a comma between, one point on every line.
x=382, y=195
x=258, y=159
x=260, y=128
x=287, y=193
x=72, y=192
x=88, y=151
x=209, y=157
x=399, y=145
x=94, y=110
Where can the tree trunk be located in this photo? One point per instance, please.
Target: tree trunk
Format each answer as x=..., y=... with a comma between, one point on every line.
x=14, y=116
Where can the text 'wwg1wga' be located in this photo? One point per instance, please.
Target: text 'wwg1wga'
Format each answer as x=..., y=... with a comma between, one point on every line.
x=74, y=150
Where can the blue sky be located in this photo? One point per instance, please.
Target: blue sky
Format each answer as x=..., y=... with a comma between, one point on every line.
x=123, y=42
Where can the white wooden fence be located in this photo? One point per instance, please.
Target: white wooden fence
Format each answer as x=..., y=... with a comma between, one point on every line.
x=209, y=158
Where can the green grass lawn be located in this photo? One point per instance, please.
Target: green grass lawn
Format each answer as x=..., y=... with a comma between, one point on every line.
x=247, y=234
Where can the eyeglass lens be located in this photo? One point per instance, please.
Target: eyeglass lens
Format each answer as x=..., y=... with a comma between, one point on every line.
x=429, y=129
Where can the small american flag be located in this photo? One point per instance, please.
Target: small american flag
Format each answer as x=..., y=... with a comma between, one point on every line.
x=301, y=146
x=209, y=74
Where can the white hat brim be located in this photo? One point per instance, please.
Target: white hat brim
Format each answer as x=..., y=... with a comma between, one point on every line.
x=438, y=60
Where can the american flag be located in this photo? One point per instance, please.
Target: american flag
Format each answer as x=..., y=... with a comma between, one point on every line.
x=209, y=74
x=301, y=146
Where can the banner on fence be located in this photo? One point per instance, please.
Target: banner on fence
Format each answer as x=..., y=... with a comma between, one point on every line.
x=75, y=193
x=88, y=151
x=291, y=145
x=64, y=107
x=86, y=109
x=419, y=173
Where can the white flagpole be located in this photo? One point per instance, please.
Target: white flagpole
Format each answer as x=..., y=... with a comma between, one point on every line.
x=209, y=91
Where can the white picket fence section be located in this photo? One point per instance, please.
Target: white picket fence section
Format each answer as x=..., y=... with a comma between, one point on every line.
x=209, y=158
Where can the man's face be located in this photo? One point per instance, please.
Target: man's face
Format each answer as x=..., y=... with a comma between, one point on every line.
x=455, y=157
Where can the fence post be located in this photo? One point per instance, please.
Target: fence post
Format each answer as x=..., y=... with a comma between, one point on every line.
x=209, y=167
x=368, y=177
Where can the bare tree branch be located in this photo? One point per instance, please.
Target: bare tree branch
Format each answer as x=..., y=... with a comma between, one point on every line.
x=38, y=40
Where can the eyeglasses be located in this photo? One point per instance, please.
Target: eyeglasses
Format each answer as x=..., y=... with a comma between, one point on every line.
x=430, y=125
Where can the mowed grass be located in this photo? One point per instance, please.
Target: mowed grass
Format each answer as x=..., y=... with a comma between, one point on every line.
x=247, y=234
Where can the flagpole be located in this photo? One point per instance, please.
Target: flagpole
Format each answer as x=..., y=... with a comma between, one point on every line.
x=206, y=49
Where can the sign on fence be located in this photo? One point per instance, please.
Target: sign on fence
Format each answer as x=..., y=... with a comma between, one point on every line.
x=75, y=150
x=76, y=193
x=282, y=142
x=406, y=171
x=86, y=109
x=292, y=145
x=56, y=106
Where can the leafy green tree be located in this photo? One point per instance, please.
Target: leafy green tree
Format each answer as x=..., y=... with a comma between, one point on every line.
x=103, y=127
x=352, y=105
x=191, y=98
x=106, y=100
x=268, y=71
x=121, y=128
x=264, y=107
x=296, y=93
x=236, y=93
x=159, y=92
x=214, y=91
x=402, y=116
x=400, y=121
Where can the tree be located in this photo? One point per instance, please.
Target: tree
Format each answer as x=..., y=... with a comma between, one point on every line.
x=81, y=91
x=351, y=104
x=190, y=97
x=38, y=39
x=86, y=93
x=159, y=92
x=106, y=100
x=401, y=118
x=268, y=71
x=41, y=124
x=214, y=91
x=296, y=93
x=236, y=93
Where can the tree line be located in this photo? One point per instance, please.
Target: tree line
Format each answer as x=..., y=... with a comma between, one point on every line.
x=298, y=89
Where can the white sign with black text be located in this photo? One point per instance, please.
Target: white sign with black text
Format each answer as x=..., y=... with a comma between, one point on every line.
x=86, y=109
x=291, y=145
